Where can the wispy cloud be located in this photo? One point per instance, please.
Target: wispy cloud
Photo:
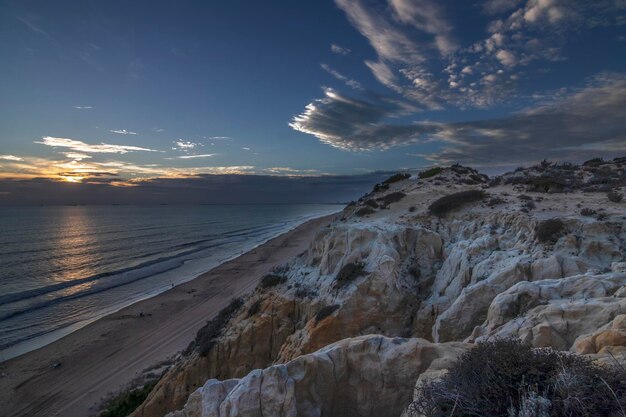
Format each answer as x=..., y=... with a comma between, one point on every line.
x=76, y=155
x=220, y=138
x=206, y=155
x=185, y=145
x=80, y=146
x=83, y=107
x=340, y=50
x=349, y=82
x=583, y=122
x=420, y=57
x=123, y=132
x=10, y=158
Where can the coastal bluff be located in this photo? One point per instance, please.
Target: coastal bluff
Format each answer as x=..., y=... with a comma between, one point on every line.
x=405, y=280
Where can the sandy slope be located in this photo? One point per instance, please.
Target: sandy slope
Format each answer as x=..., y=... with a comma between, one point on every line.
x=108, y=354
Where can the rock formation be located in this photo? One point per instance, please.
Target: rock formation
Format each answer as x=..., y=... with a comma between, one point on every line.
x=541, y=257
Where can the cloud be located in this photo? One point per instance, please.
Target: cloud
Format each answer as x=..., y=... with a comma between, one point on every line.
x=581, y=123
x=355, y=124
x=349, y=82
x=123, y=132
x=10, y=158
x=83, y=107
x=80, y=146
x=339, y=49
x=158, y=130
x=76, y=155
x=206, y=155
x=584, y=123
x=499, y=6
x=220, y=138
x=208, y=188
x=185, y=145
x=245, y=149
x=419, y=56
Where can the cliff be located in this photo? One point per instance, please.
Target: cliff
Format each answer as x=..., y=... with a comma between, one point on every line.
x=404, y=280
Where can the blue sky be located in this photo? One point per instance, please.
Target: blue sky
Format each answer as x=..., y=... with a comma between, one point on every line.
x=116, y=91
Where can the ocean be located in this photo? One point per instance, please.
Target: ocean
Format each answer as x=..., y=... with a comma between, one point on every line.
x=62, y=267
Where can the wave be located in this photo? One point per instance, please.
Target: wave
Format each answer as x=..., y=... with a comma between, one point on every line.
x=129, y=274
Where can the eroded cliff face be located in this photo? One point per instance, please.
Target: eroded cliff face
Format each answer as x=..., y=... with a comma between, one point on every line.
x=476, y=273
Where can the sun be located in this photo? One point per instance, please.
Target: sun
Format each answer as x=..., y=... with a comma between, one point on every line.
x=72, y=179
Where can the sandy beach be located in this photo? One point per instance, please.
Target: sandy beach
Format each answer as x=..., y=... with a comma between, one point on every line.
x=105, y=356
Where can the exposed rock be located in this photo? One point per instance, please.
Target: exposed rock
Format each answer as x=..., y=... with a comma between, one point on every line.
x=477, y=273
x=364, y=376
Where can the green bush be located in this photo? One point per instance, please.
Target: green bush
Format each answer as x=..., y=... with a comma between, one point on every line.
x=549, y=231
x=208, y=334
x=127, y=402
x=349, y=272
x=391, y=198
x=325, y=312
x=430, y=172
x=508, y=378
x=272, y=280
x=451, y=202
x=396, y=178
x=365, y=211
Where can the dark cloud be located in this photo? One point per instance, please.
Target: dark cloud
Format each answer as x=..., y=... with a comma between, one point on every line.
x=585, y=122
x=202, y=189
x=356, y=124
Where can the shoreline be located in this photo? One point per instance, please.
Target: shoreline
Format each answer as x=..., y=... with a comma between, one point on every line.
x=28, y=345
x=106, y=355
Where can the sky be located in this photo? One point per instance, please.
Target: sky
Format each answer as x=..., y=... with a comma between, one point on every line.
x=117, y=95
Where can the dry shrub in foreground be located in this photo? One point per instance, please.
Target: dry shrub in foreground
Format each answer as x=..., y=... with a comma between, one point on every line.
x=507, y=378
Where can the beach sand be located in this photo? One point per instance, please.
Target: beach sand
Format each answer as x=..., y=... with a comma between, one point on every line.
x=107, y=355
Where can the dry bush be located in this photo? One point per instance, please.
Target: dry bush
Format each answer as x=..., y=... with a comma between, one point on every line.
x=349, y=272
x=587, y=212
x=391, y=198
x=549, y=231
x=365, y=211
x=614, y=196
x=272, y=280
x=451, y=202
x=430, y=172
x=397, y=177
x=325, y=312
x=508, y=378
x=208, y=334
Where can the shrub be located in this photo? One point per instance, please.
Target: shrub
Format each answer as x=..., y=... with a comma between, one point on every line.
x=381, y=187
x=365, y=211
x=208, y=334
x=412, y=209
x=305, y=292
x=272, y=280
x=595, y=162
x=127, y=402
x=614, y=196
x=546, y=184
x=254, y=308
x=397, y=177
x=391, y=198
x=587, y=212
x=548, y=231
x=502, y=377
x=325, y=312
x=430, y=172
x=349, y=272
x=371, y=203
x=453, y=201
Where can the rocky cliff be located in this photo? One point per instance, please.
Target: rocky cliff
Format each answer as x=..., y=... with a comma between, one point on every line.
x=425, y=265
